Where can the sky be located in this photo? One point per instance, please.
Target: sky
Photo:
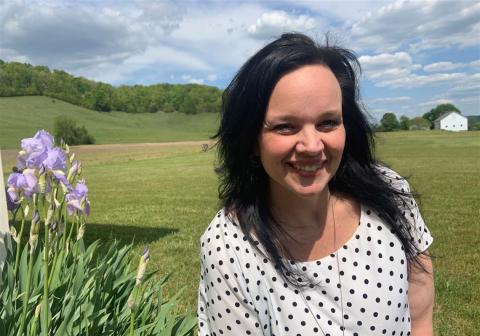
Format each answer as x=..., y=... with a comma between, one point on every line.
x=414, y=54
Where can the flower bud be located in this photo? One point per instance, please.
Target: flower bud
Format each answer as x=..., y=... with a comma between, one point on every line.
x=50, y=213
x=38, y=310
x=131, y=302
x=81, y=231
x=14, y=234
x=34, y=231
x=74, y=169
x=146, y=254
x=142, y=266
x=42, y=183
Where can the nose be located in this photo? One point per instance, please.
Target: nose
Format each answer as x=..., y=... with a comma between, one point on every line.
x=310, y=141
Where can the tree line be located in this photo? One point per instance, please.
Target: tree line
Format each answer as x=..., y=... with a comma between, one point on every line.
x=389, y=121
x=20, y=79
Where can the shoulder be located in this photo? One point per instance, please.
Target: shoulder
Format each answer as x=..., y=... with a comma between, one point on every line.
x=220, y=230
x=226, y=254
x=418, y=232
x=223, y=240
x=393, y=178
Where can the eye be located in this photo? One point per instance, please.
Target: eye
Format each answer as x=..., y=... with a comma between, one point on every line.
x=329, y=124
x=284, y=128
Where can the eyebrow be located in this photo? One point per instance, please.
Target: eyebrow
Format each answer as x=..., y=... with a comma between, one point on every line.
x=293, y=117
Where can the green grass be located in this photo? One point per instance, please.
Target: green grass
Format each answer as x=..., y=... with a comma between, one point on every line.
x=165, y=196
x=20, y=117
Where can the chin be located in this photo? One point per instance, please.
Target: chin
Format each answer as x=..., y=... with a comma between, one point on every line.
x=312, y=191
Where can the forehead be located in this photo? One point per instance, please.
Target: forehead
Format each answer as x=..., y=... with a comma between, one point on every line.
x=309, y=89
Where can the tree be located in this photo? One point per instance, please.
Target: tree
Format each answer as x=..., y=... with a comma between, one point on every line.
x=404, y=123
x=18, y=79
x=436, y=112
x=419, y=123
x=389, y=122
x=187, y=106
x=101, y=97
x=66, y=128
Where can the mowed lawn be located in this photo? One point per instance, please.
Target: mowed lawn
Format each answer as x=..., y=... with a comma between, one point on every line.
x=164, y=196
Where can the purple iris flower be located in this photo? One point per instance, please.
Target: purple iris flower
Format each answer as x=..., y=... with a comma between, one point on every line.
x=35, y=150
x=12, y=201
x=60, y=176
x=25, y=183
x=77, y=199
x=32, y=155
x=45, y=138
x=56, y=159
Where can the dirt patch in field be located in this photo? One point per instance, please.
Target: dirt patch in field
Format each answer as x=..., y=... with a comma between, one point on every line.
x=97, y=152
x=134, y=146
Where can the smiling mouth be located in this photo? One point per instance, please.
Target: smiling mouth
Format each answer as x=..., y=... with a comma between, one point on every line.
x=307, y=168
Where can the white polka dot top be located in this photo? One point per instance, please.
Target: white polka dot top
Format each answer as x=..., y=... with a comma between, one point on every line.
x=364, y=293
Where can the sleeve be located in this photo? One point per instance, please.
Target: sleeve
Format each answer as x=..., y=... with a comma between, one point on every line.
x=419, y=233
x=225, y=306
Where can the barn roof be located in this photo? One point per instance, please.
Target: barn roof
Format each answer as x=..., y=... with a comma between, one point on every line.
x=446, y=114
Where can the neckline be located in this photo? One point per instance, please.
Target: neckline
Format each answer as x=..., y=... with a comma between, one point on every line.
x=329, y=256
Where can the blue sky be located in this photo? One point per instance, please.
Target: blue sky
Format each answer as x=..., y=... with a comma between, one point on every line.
x=415, y=54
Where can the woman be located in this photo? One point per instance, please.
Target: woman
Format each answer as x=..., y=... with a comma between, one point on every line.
x=315, y=236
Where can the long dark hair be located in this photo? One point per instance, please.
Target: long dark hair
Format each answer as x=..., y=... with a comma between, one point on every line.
x=244, y=184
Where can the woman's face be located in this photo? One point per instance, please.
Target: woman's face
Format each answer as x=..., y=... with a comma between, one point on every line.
x=303, y=136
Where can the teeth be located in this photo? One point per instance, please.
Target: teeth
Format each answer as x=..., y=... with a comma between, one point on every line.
x=308, y=168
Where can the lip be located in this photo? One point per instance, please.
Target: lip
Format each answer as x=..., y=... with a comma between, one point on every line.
x=306, y=168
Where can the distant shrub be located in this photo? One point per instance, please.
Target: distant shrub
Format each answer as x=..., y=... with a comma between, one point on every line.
x=474, y=126
x=66, y=128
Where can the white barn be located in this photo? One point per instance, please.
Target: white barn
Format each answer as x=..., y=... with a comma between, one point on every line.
x=451, y=121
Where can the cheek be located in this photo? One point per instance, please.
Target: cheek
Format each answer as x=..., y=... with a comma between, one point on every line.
x=337, y=141
x=273, y=149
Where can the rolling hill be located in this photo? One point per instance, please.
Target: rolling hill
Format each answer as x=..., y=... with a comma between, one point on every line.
x=20, y=117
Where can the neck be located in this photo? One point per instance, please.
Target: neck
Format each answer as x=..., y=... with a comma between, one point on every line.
x=296, y=212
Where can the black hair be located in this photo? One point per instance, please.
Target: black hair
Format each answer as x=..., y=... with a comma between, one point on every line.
x=244, y=184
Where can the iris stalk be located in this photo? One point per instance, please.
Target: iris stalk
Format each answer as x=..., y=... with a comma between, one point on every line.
x=45, y=283
x=17, y=252
x=26, y=295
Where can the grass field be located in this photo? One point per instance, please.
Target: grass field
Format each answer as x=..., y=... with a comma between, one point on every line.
x=164, y=196
x=20, y=117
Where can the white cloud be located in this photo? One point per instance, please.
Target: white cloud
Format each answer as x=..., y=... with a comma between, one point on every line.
x=273, y=24
x=60, y=36
x=397, y=70
x=474, y=64
x=384, y=67
x=345, y=11
x=191, y=80
x=442, y=66
x=389, y=100
x=419, y=25
x=433, y=103
x=415, y=81
x=469, y=87
x=381, y=61
x=161, y=16
x=118, y=42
